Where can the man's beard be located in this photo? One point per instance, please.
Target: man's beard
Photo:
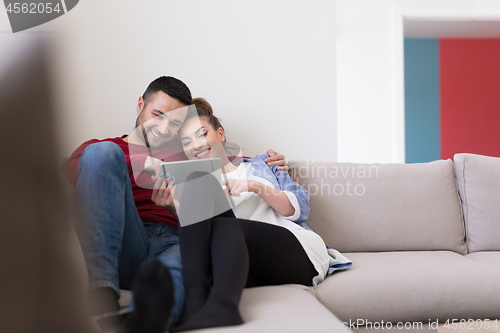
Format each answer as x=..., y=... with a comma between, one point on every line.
x=145, y=135
x=140, y=123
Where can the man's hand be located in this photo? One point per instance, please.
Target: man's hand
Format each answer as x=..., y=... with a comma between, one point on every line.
x=152, y=167
x=276, y=159
x=163, y=193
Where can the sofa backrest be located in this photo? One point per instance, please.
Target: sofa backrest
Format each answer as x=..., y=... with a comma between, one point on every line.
x=383, y=207
x=478, y=180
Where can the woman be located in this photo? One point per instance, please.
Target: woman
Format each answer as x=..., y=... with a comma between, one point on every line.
x=256, y=243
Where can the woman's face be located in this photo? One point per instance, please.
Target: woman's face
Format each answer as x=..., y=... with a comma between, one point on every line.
x=200, y=140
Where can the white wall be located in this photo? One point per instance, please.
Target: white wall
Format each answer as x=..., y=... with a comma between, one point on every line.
x=311, y=79
x=267, y=67
x=370, y=95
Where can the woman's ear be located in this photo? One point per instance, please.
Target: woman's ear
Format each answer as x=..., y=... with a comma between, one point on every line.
x=222, y=136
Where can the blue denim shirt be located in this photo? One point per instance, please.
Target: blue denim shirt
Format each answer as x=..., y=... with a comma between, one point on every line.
x=282, y=181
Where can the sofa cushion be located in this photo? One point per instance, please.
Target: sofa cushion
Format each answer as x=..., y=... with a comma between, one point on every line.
x=490, y=257
x=478, y=179
x=413, y=286
x=286, y=308
x=383, y=207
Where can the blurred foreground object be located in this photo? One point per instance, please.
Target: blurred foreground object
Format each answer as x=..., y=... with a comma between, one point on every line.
x=39, y=288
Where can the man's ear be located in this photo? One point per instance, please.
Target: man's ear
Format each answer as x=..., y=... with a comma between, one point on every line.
x=140, y=105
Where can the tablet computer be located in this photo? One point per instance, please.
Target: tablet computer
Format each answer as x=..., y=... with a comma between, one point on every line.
x=182, y=169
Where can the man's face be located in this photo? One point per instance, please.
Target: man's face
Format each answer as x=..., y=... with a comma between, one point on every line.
x=160, y=119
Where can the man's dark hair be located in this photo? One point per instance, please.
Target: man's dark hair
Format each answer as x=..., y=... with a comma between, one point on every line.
x=171, y=86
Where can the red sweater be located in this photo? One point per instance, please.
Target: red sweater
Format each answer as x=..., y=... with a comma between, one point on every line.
x=148, y=211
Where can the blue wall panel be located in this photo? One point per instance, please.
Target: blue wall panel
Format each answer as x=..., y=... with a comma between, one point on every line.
x=422, y=123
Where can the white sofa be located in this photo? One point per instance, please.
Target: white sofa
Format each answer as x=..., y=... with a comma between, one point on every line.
x=424, y=240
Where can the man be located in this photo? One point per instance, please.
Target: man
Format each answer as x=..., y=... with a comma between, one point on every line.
x=119, y=226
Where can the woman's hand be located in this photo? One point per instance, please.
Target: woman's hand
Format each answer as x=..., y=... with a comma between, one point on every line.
x=277, y=199
x=235, y=187
x=163, y=194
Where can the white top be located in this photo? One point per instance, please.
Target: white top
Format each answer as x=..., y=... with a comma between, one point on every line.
x=252, y=207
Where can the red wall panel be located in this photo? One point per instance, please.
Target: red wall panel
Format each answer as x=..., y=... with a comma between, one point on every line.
x=470, y=96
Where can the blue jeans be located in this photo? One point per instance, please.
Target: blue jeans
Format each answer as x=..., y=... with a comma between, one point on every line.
x=114, y=239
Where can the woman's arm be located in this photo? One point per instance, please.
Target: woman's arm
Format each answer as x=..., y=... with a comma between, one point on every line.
x=297, y=194
x=277, y=199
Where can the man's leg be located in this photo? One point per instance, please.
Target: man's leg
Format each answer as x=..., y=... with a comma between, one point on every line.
x=165, y=247
x=153, y=300
x=113, y=237
x=159, y=286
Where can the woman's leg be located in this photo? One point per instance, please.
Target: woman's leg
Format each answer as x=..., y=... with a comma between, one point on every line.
x=201, y=192
x=270, y=253
x=229, y=262
x=276, y=255
x=227, y=244
x=195, y=242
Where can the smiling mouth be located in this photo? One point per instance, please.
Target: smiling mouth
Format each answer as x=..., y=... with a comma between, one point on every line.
x=157, y=135
x=202, y=154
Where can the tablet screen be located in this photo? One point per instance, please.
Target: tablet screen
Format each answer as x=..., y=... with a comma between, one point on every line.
x=182, y=169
